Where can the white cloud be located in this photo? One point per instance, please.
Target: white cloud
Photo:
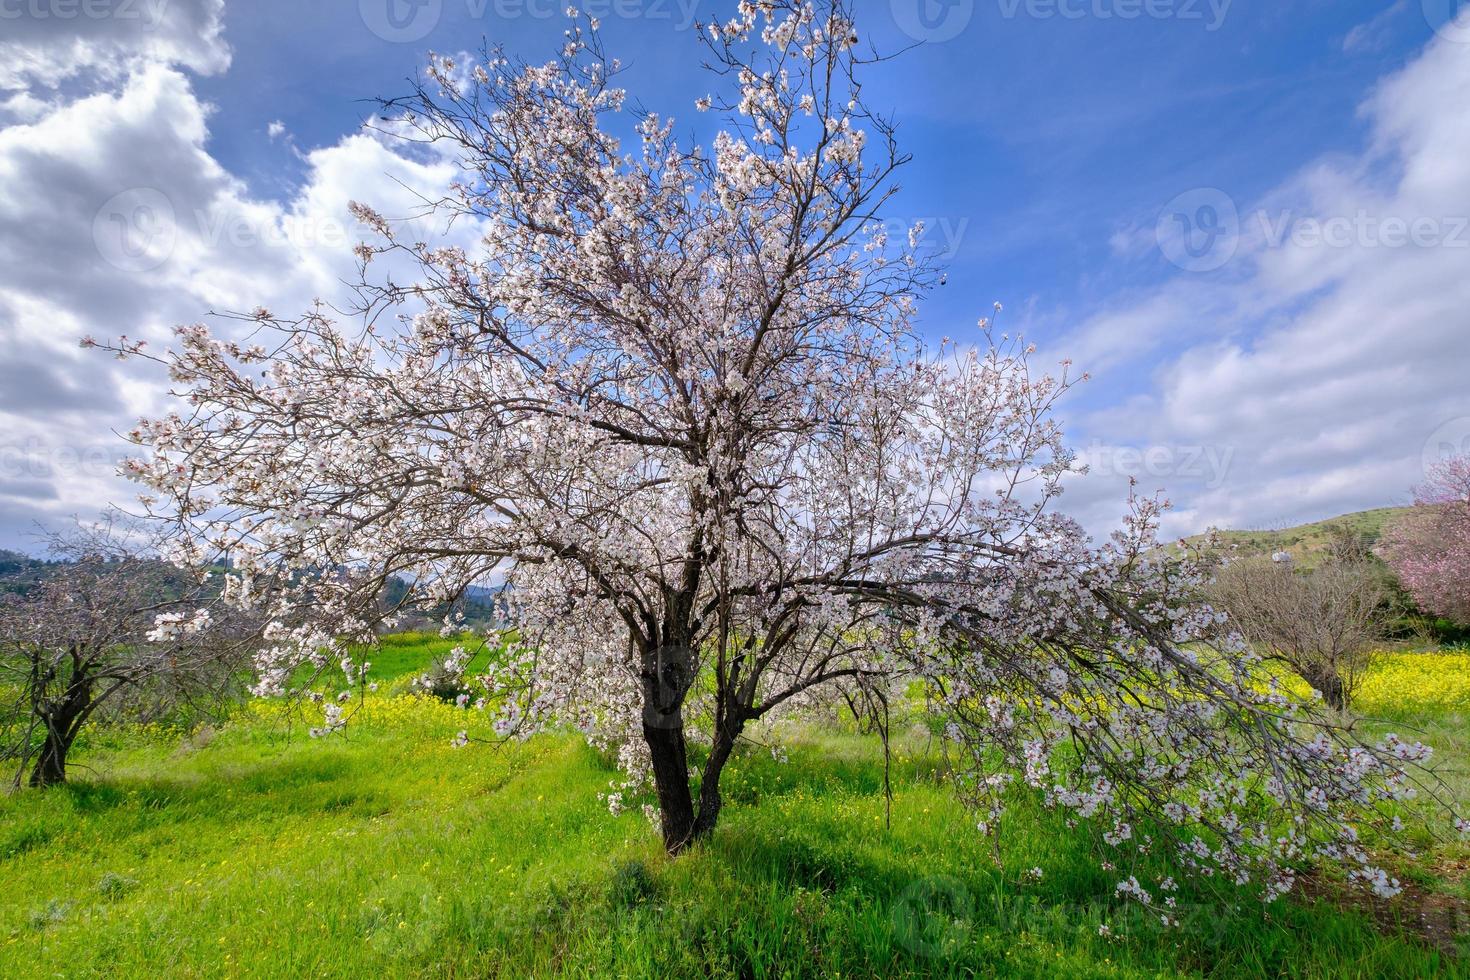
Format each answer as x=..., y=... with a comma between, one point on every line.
x=1322, y=359
x=47, y=43
x=116, y=219
x=1372, y=33
x=22, y=107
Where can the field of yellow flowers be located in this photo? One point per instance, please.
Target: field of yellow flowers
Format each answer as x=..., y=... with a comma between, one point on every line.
x=1400, y=683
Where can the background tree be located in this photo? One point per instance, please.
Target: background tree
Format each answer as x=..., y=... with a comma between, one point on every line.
x=1323, y=623
x=107, y=625
x=1429, y=549
x=676, y=399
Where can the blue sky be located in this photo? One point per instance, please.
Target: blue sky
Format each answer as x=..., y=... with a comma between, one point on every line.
x=1260, y=378
x=1044, y=134
x=1034, y=137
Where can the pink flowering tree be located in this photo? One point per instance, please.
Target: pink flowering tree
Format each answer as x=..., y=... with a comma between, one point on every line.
x=675, y=398
x=1429, y=549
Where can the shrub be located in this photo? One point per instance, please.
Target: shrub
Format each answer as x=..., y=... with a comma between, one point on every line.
x=1323, y=623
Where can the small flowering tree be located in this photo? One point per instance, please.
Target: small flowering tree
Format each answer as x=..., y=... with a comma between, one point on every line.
x=675, y=398
x=108, y=625
x=1429, y=549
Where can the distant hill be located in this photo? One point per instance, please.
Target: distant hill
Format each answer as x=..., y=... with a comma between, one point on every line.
x=484, y=594
x=19, y=572
x=1307, y=543
x=477, y=605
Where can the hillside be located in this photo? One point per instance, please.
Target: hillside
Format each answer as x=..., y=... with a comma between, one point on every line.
x=18, y=572
x=1307, y=543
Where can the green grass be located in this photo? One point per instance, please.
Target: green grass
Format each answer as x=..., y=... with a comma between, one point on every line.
x=398, y=659
x=257, y=852
x=403, y=654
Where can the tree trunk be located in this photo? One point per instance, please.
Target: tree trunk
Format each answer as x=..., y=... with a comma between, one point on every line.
x=682, y=824
x=671, y=780
x=51, y=766
x=710, y=800
x=666, y=677
x=1334, y=692
x=62, y=721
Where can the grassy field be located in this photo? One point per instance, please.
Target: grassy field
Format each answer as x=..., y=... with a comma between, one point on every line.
x=253, y=851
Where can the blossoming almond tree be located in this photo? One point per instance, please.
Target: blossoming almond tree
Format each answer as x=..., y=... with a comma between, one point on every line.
x=108, y=627
x=675, y=398
x=1429, y=548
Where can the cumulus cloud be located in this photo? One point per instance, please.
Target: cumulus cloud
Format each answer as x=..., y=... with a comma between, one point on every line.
x=44, y=44
x=116, y=219
x=1322, y=364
